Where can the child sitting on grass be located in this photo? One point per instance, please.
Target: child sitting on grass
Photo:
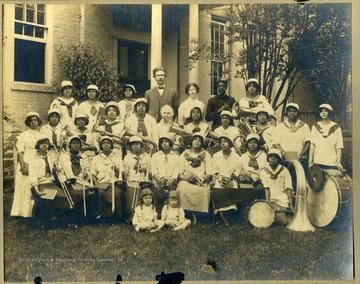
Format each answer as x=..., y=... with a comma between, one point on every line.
x=145, y=217
x=278, y=185
x=173, y=214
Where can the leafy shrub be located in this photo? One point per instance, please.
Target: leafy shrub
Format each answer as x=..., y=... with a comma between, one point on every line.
x=85, y=65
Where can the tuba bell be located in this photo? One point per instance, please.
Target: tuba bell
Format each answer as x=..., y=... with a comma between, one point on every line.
x=245, y=127
x=300, y=222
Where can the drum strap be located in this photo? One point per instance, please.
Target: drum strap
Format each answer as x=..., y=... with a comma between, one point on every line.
x=273, y=176
x=331, y=130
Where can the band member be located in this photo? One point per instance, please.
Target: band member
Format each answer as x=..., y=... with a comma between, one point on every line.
x=173, y=214
x=293, y=134
x=113, y=126
x=195, y=173
x=192, y=90
x=88, y=138
x=326, y=141
x=93, y=108
x=252, y=161
x=266, y=131
x=277, y=183
x=253, y=101
x=196, y=123
x=145, y=216
x=141, y=122
x=107, y=169
x=66, y=105
x=227, y=127
x=161, y=95
x=164, y=170
x=57, y=132
x=126, y=105
x=22, y=204
x=42, y=183
x=75, y=165
x=226, y=168
x=136, y=170
x=165, y=124
x=217, y=104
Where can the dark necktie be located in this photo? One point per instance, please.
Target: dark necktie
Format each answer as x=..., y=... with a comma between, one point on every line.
x=142, y=127
x=47, y=167
x=108, y=127
x=68, y=106
x=253, y=164
x=54, y=137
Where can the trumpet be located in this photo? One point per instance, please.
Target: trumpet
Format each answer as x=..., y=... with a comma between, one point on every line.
x=225, y=181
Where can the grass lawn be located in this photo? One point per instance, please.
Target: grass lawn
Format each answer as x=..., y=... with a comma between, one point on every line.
x=100, y=252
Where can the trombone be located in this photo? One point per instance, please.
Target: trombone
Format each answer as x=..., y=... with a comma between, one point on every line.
x=63, y=183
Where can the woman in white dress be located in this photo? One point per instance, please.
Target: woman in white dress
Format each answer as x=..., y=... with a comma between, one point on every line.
x=184, y=116
x=25, y=147
x=195, y=175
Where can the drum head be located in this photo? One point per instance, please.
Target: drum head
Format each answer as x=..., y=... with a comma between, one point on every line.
x=323, y=205
x=315, y=178
x=261, y=214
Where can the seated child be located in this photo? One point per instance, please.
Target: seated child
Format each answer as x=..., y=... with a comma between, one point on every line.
x=277, y=183
x=173, y=214
x=145, y=217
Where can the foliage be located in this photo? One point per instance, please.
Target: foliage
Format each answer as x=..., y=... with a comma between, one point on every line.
x=85, y=65
x=286, y=43
x=332, y=74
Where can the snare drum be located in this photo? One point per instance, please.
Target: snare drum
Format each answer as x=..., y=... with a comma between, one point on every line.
x=261, y=214
x=324, y=204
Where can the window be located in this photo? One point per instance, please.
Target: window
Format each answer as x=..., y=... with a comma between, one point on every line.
x=218, y=47
x=30, y=42
x=133, y=64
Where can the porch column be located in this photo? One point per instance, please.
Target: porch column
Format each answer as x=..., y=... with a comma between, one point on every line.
x=193, y=35
x=156, y=39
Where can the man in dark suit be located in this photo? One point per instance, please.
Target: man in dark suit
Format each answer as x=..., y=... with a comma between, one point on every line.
x=221, y=101
x=161, y=95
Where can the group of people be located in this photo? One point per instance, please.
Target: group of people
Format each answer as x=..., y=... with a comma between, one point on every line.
x=154, y=162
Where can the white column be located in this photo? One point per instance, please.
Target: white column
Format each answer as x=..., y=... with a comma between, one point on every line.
x=193, y=35
x=156, y=39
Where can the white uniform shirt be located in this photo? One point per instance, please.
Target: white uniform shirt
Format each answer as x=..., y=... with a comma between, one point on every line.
x=59, y=130
x=263, y=104
x=293, y=139
x=325, y=147
x=130, y=161
x=205, y=167
x=60, y=104
x=150, y=123
x=126, y=108
x=102, y=167
x=91, y=110
x=261, y=161
x=226, y=166
x=165, y=165
x=277, y=186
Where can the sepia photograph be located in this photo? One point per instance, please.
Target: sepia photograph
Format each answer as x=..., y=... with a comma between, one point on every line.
x=169, y=142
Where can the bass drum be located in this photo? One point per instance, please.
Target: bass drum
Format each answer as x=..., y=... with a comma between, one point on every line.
x=324, y=203
x=261, y=214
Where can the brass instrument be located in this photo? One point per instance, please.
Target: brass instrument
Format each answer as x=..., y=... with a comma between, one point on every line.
x=105, y=133
x=225, y=181
x=300, y=222
x=184, y=134
x=147, y=184
x=63, y=183
x=245, y=127
x=214, y=146
x=146, y=140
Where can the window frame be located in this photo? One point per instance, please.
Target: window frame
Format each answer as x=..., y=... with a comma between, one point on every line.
x=46, y=39
x=215, y=23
